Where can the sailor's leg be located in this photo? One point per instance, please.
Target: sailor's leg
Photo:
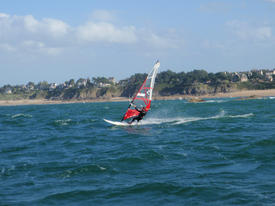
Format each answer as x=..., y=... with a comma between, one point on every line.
x=132, y=120
x=138, y=119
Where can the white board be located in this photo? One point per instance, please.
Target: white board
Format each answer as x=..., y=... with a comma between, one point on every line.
x=117, y=123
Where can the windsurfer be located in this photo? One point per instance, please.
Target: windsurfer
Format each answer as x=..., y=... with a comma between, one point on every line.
x=142, y=113
x=143, y=97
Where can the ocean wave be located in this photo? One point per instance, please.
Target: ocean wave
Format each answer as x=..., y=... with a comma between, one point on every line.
x=241, y=115
x=63, y=122
x=82, y=170
x=231, y=167
x=21, y=115
x=154, y=193
x=264, y=143
x=112, y=192
x=5, y=171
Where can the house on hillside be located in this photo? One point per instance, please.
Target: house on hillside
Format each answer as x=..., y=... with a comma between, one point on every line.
x=8, y=90
x=100, y=85
x=236, y=77
x=261, y=72
x=244, y=78
x=112, y=80
x=81, y=83
x=61, y=86
x=269, y=76
x=30, y=86
x=249, y=74
x=52, y=86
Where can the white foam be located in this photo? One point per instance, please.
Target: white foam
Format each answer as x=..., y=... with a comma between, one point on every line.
x=21, y=115
x=192, y=119
x=215, y=101
x=241, y=115
x=158, y=121
x=101, y=168
x=63, y=121
x=178, y=120
x=182, y=120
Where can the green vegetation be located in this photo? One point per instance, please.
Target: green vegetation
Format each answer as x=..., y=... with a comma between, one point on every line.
x=196, y=82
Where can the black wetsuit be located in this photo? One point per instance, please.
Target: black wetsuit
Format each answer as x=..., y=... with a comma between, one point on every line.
x=140, y=116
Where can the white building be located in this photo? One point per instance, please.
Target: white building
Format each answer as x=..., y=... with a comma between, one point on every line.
x=52, y=86
x=8, y=91
x=244, y=78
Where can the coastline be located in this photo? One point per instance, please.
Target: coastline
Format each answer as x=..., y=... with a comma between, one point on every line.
x=244, y=93
x=44, y=101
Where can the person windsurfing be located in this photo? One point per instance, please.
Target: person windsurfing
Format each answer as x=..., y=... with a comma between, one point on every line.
x=143, y=97
x=141, y=114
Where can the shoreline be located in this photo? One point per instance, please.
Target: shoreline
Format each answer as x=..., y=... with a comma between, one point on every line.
x=244, y=93
x=241, y=93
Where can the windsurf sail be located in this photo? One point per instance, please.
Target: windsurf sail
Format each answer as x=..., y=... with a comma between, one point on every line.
x=144, y=95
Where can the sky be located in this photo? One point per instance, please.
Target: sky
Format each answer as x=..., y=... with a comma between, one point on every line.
x=56, y=41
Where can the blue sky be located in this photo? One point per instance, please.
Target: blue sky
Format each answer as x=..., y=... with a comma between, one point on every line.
x=59, y=40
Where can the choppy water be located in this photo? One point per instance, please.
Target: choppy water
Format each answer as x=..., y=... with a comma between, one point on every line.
x=220, y=152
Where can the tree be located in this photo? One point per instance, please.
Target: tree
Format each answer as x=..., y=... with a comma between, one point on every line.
x=133, y=84
x=71, y=83
x=200, y=75
x=30, y=85
x=221, y=76
x=43, y=85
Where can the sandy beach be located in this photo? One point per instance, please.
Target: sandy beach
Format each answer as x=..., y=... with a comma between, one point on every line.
x=246, y=93
x=44, y=101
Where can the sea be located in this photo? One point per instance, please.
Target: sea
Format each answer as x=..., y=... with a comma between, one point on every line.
x=217, y=152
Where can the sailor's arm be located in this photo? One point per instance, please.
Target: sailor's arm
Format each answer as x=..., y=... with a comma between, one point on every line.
x=139, y=110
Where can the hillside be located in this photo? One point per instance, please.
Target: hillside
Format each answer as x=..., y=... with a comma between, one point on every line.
x=196, y=83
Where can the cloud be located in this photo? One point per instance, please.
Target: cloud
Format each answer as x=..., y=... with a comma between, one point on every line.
x=48, y=36
x=162, y=41
x=28, y=25
x=25, y=33
x=248, y=32
x=2, y=15
x=28, y=21
x=54, y=27
x=100, y=28
x=273, y=1
x=263, y=32
x=106, y=32
x=37, y=46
